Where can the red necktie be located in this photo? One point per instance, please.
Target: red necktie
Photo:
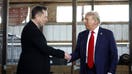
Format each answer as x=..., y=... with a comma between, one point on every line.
x=91, y=51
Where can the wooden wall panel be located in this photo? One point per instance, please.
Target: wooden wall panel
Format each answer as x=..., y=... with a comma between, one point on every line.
x=17, y=15
x=52, y=9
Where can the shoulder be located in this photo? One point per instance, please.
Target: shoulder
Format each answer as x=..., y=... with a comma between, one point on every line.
x=106, y=31
x=30, y=26
x=83, y=33
x=29, y=29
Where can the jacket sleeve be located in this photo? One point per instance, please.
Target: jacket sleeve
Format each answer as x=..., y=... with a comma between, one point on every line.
x=76, y=54
x=114, y=54
x=39, y=41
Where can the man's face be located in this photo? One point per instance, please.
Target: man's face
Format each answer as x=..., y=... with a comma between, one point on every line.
x=90, y=22
x=42, y=18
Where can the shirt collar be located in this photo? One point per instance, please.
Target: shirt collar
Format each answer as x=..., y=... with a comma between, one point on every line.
x=96, y=30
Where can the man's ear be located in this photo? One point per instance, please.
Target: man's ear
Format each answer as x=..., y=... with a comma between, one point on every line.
x=39, y=14
x=36, y=15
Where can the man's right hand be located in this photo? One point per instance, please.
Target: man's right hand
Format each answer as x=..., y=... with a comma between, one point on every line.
x=67, y=56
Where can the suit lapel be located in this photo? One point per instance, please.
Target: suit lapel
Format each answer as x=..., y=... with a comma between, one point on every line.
x=85, y=38
x=99, y=38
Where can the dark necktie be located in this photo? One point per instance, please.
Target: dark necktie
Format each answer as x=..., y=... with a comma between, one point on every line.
x=91, y=51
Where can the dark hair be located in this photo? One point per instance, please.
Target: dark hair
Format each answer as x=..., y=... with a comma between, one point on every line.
x=38, y=9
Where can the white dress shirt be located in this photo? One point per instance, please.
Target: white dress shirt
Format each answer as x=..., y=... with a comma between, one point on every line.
x=95, y=38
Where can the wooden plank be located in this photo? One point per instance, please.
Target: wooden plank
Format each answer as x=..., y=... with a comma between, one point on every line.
x=55, y=69
x=58, y=0
x=63, y=69
x=53, y=1
x=130, y=34
x=4, y=41
x=122, y=68
x=74, y=27
x=52, y=10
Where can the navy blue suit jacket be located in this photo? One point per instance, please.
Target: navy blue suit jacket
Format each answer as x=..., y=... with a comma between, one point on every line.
x=105, y=57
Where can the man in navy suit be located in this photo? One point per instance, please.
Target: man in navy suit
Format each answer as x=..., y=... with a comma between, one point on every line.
x=96, y=48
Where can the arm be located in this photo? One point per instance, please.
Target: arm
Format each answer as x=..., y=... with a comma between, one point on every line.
x=114, y=54
x=39, y=41
x=76, y=54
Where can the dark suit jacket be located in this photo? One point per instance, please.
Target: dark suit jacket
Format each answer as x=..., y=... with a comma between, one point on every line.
x=34, y=58
x=105, y=52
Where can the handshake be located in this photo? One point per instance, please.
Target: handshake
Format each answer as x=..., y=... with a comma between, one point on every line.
x=67, y=56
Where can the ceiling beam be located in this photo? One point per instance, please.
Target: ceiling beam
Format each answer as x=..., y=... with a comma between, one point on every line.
x=60, y=0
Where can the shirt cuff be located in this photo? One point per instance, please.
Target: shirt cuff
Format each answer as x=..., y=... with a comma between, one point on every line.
x=109, y=73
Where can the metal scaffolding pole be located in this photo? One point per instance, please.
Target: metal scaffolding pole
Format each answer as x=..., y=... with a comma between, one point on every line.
x=5, y=24
x=130, y=35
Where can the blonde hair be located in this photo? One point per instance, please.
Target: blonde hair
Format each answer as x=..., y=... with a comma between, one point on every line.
x=95, y=14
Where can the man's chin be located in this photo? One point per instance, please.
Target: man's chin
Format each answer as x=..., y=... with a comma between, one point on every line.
x=42, y=25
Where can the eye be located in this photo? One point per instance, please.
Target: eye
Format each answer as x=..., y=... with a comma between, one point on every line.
x=85, y=18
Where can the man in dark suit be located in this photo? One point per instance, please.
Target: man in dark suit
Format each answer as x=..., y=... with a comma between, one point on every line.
x=96, y=48
x=34, y=58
